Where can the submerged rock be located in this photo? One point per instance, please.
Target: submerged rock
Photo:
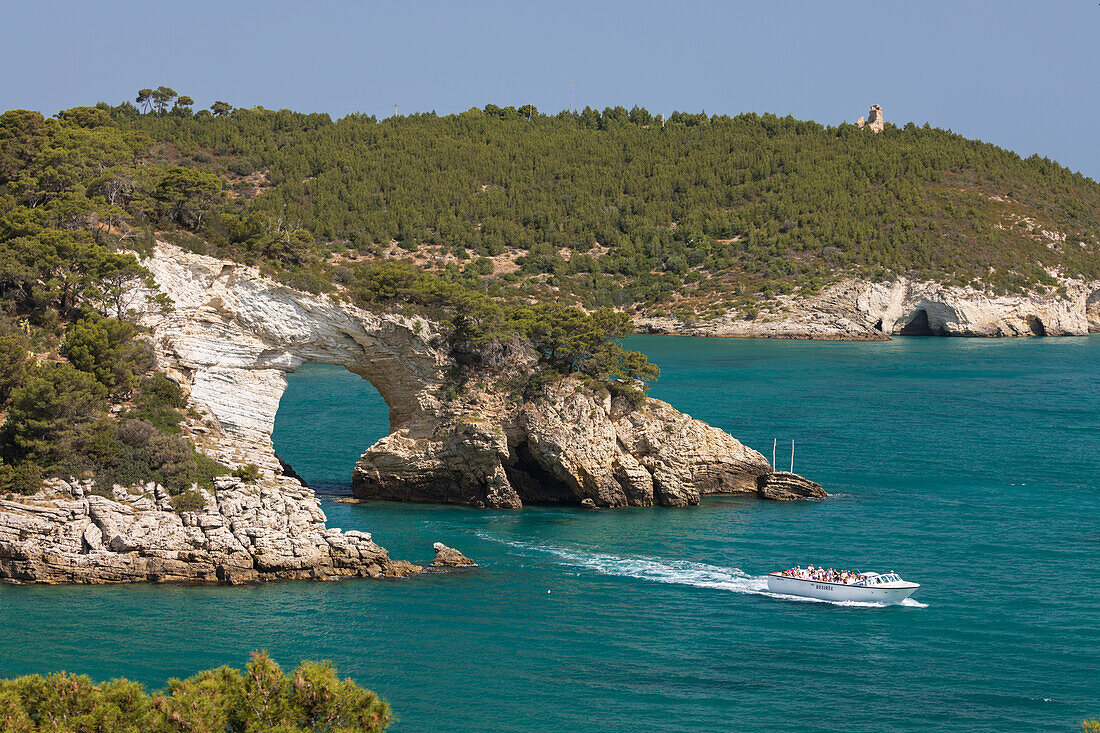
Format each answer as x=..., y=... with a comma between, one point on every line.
x=450, y=557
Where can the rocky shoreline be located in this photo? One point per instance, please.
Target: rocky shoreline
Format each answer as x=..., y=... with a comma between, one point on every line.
x=862, y=310
x=566, y=446
x=243, y=533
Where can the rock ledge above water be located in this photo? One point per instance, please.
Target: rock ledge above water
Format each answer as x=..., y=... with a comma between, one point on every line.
x=450, y=557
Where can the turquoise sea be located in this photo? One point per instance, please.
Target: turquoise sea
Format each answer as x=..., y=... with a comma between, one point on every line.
x=969, y=466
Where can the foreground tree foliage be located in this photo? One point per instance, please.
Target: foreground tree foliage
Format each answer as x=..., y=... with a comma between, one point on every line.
x=262, y=698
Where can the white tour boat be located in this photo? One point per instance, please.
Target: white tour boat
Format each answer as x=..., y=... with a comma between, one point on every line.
x=844, y=585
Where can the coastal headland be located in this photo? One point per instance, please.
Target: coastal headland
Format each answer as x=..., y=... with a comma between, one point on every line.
x=229, y=338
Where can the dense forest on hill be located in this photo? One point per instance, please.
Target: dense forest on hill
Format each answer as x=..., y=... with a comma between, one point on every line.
x=618, y=208
x=80, y=395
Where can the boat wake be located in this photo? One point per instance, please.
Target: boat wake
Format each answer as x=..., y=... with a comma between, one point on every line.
x=678, y=572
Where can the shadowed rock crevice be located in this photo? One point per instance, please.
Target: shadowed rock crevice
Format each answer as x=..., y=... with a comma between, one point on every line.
x=917, y=325
x=533, y=483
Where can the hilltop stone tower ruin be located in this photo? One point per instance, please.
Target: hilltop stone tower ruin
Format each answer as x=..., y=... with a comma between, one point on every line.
x=874, y=120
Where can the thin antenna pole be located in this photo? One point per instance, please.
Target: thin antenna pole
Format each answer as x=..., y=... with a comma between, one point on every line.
x=773, y=452
x=395, y=110
x=792, y=456
x=570, y=96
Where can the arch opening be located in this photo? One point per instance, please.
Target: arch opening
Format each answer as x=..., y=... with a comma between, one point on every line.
x=1035, y=324
x=327, y=416
x=918, y=325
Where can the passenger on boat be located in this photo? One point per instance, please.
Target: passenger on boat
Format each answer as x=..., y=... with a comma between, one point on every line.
x=832, y=575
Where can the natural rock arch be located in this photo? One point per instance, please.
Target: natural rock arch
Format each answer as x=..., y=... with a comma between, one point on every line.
x=229, y=339
x=232, y=336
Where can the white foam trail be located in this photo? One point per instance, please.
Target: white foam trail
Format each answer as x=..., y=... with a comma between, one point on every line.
x=679, y=572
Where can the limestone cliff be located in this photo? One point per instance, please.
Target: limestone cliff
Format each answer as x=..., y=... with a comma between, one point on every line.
x=861, y=309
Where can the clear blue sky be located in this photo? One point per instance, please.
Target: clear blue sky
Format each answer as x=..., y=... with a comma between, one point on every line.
x=1019, y=74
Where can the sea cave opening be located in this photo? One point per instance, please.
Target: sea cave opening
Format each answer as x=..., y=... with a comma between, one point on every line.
x=533, y=483
x=918, y=325
x=327, y=417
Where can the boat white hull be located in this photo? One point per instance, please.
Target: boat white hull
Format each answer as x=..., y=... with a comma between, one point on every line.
x=838, y=591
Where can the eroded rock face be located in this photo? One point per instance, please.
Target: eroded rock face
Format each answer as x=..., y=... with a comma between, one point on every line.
x=1092, y=309
x=232, y=335
x=565, y=446
x=242, y=533
x=864, y=310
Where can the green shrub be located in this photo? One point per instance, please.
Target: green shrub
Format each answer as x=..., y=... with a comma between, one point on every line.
x=135, y=451
x=247, y=472
x=48, y=415
x=243, y=166
x=188, y=501
x=15, y=362
x=158, y=401
x=264, y=698
x=25, y=478
x=106, y=349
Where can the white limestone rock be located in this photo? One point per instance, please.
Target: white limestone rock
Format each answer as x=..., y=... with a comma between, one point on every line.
x=861, y=309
